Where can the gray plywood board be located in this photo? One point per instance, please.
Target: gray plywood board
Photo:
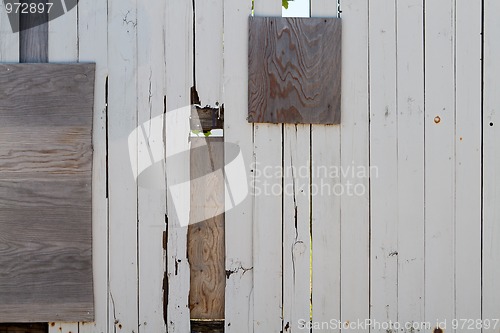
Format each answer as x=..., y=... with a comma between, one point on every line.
x=294, y=68
x=45, y=192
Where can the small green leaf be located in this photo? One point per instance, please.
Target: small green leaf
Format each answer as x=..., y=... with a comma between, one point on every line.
x=207, y=134
x=284, y=3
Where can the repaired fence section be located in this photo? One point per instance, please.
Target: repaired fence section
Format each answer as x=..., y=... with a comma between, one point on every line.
x=385, y=222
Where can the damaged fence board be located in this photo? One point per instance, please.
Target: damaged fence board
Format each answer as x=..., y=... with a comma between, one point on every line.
x=238, y=232
x=294, y=68
x=208, y=44
x=206, y=236
x=45, y=192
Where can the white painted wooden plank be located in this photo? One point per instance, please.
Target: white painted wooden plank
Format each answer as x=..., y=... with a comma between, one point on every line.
x=383, y=157
x=354, y=151
x=122, y=117
x=268, y=219
x=93, y=47
x=239, y=220
x=267, y=229
x=179, y=62
x=9, y=41
x=63, y=47
x=151, y=152
x=491, y=160
x=439, y=160
x=296, y=227
x=209, y=21
x=468, y=162
x=325, y=143
x=410, y=115
x=63, y=37
x=58, y=327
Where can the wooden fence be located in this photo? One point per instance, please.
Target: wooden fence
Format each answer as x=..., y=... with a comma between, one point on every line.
x=416, y=241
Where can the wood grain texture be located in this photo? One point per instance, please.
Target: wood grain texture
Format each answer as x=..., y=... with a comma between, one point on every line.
x=267, y=214
x=206, y=250
x=294, y=67
x=45, y=192
x=33, y=36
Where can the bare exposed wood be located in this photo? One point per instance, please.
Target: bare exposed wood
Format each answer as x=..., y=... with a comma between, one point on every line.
x=24, y=328
x=206, y=250
x=33, y=36
x=207, y=119
x=45, y=196
x=294, y=69
x=207, y=326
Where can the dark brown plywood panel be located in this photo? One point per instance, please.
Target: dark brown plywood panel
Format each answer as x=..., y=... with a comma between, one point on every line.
x=45, y=192
x=206, y=250
x=24, y=328
x=294, y=68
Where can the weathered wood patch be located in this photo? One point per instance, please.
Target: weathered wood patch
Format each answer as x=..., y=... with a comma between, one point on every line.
x=206, y=249
x=294, y=68
x=45, y=192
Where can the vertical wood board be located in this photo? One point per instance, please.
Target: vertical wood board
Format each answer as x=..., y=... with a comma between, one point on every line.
x=294, y=67
x=238, y=220
x=325, y=224
x=206, y=250
x=46, y=170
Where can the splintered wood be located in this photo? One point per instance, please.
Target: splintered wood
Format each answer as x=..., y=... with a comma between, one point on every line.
x=294, y=68
x=45, y=192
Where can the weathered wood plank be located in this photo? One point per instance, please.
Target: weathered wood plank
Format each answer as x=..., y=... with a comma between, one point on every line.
x=410, y=106
x=206, y=251
x=24, y=328
x=296, y=226
x=468, y=160
x=92, y=46
x=43, y=198
x=268, y=214
x=179, y=61
x=9, y=41
x=294, y=70
x=151, y=135
x=208, y=32
x=384, y=258
x=439, y=160
x=33, y=36
x=325, y=155
x=239, y=220
x=355, y=151
x=491, y=164
x=122, y=186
